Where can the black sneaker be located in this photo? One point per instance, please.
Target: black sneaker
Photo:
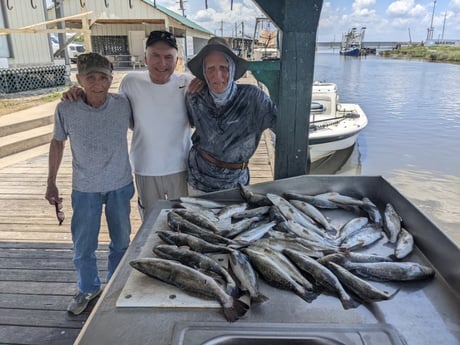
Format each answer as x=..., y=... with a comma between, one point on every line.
x=80, y=301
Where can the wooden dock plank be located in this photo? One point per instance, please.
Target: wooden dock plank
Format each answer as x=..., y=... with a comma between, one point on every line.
x=51, y=302
x=44, y=318
x=37, y=281
x=32, y=335
x=37, y=277
x=37, y=288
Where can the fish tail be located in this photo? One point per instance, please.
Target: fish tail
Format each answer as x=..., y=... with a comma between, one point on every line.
x=259, y=298
x=308, y=295
x=237, y=310
x=390, y=296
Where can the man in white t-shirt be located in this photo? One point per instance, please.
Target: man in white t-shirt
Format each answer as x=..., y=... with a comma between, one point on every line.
x=161, y=131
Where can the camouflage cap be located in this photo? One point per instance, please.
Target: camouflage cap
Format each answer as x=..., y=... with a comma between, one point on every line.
x=93, y=62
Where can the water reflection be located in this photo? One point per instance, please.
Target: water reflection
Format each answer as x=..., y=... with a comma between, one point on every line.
x=342, y=162
x=433, y=194
x=430, y=192
x=413, y=130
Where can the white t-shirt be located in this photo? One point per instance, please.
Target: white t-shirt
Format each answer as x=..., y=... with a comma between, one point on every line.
x=161, y=135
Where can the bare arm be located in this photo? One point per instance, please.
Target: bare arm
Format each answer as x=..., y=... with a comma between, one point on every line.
x=54, y=162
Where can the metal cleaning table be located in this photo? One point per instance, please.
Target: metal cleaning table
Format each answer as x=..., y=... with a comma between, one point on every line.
x=424, y=312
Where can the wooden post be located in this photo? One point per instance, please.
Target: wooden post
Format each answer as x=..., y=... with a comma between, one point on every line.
x=298, y=21
x=87, y=34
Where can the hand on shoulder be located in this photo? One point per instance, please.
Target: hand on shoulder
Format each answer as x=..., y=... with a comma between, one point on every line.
x=73, y=94
x=196, y=85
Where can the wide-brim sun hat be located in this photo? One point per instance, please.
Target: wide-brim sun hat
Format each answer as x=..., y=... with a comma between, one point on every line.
x=216, y=44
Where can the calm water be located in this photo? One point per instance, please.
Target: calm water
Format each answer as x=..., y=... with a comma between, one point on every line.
x=413, y=135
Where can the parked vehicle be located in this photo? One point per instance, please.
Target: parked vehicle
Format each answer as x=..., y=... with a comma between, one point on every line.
x=73, y=49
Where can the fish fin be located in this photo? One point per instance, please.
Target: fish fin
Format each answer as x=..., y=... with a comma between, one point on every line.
x=236, y=311
x=224, y=232
x=393, y=257
x=343, y=250
x=389, y=244
x=357, y=246
x=238, y=244
x=233, y=291
x=349, y=303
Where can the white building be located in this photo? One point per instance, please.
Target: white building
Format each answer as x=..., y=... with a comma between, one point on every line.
x=115, y=28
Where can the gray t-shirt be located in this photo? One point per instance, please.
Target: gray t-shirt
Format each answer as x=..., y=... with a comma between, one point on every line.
x=98, y=139
x=230, y=134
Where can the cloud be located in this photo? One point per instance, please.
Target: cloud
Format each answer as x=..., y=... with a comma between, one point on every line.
x=454, y=5
x=400, y=8
x=220, y=17
x=418, y=11
x=362, y=5
x=385, y=20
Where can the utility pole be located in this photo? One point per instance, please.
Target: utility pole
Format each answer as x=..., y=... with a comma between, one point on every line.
x=443, y=27
x=59, y=10
x=45, y=7
x=181, y=7
x=222, y=28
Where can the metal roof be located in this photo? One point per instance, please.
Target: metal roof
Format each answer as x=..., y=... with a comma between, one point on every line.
x=178, y=17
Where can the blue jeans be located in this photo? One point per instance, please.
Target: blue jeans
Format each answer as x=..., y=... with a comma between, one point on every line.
x=85, y=226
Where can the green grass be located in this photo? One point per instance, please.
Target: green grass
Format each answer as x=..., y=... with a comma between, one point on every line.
x=433, y=53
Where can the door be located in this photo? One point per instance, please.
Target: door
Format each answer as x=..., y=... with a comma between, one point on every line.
x=136, y=41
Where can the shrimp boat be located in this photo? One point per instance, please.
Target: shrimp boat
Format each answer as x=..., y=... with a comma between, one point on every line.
x=352, y=42
x=334, y=126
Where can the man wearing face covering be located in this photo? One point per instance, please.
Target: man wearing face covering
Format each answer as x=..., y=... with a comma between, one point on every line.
x=228, y=118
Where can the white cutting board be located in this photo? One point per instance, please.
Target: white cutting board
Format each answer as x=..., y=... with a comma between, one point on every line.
x=141, y=290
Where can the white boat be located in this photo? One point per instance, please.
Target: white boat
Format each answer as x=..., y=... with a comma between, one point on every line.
x=334, y=126
x=341, y=162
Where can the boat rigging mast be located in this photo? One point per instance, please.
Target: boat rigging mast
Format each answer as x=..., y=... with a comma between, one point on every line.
x=429, y=35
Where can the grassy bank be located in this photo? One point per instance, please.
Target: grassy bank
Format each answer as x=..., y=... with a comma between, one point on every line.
x=11, y=105
x=432, y=53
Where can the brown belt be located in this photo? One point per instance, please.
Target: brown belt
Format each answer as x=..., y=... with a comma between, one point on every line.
x=219, y=163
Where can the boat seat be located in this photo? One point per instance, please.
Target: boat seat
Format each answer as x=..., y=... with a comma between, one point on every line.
x=316, y=107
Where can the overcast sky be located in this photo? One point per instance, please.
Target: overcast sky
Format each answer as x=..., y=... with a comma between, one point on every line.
x=384, y=20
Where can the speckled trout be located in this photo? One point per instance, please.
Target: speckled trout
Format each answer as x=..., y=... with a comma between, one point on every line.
x=192, y=281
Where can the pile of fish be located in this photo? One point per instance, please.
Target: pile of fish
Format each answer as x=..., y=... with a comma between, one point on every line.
x=287, y=241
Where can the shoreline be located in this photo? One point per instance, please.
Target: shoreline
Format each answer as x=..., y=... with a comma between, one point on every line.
x=447, y=54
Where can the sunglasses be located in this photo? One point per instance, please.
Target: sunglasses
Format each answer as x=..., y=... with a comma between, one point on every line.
x=59, y=213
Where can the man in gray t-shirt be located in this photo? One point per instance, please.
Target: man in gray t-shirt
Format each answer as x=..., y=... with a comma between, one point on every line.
x=97, y=126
